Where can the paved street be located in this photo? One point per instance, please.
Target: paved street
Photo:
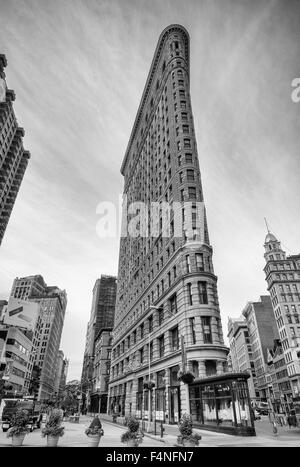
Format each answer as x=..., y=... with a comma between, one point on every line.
x=75, y=436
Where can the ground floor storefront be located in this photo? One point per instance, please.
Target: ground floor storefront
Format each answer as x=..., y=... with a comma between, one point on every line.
x=222, y=403
x=98, y=403
x=218, y=403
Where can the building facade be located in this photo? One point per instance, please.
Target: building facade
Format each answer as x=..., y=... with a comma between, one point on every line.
x=282, y=394
x=46, y=338
x=14, y=360
x=263, y=331
x=102, y=317
x=167, y=313
x=13, y=158
x=241, y=352
x=283, y=278
x=101, y=371
x=58, y=371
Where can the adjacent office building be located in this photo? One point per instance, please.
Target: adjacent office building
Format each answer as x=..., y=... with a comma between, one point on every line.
x=58, y=371
x=241, y=357
x=283, y=278
x=47, y=333
x=167, y=301
x=101, y=371
x=15, y=350
x=262, y=331
x=102, y=317
x=13, y=157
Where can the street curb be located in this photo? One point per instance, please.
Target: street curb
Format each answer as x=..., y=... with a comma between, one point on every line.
x=145, y=434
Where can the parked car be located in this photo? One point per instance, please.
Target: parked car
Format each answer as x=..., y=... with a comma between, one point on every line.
x=262, y=408
x=11, y=407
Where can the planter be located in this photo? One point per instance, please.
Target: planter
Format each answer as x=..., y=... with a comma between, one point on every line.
x=187, y=378
x=17, y=440
x=52, y=441
x=94, y=441
x=133, y=442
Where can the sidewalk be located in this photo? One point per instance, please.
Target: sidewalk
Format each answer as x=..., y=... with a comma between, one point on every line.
x=264, y=436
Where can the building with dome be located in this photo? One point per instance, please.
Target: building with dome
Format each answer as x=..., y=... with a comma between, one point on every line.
x=283, y=278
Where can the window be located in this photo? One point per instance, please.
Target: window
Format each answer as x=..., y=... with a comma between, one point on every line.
x=161, y=346
x=150, y=323
x=206, y=327
x=173, y=304
x=169, y=279
x=174, y=339
x=141, y=355
x=192, y=192
x=184, y=116
x=202, y=288
x=160, y=315
x=190, y=175
x=188, y=158
x=199, y=262
x=187, y=143
x=142, y=330
x=188, y=263
x=185, y=129
x=193, y=333
x=190, y=295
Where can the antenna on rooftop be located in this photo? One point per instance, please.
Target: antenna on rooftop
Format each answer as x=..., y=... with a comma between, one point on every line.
x=267, y=225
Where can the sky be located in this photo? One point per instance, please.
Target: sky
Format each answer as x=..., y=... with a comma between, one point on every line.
x=79, y=67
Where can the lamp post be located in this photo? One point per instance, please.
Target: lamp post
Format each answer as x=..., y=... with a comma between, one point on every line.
x=152, y=307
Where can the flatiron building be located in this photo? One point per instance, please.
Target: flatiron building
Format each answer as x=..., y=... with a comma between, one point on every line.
x=167, y=307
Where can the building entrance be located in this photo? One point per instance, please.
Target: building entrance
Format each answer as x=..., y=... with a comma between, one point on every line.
x=174, y=398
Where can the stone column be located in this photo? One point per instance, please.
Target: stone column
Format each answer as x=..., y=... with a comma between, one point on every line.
x=199, y=331
x=214, y=330
x=202, y=368
x=133, y=395
x=155, y=319
x=219, y=367
x=167, y=342
x=167, y=379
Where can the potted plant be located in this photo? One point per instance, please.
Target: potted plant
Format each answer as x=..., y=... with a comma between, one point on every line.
x=19, y=427
x=149, y=385
x=133, y=436
x=53, y=429
x=187, y=437
x=94, y=432
x=186, y=377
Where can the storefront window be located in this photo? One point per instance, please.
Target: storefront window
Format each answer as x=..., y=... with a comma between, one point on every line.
x=139, y=404
x=209, y=405
x=222, y=404
x=241, y=403
x=160, y=404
